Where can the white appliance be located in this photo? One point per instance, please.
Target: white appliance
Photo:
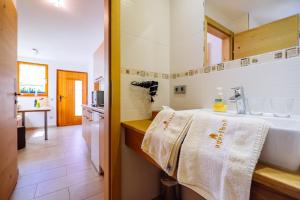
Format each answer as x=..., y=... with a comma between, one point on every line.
x=95, y=140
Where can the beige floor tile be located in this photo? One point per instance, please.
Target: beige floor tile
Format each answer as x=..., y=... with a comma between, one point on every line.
x=41, y=177
x=64, y=182
x=52, y=186
x=48, y=165
x=78, y=167
x=84, y=191
x=25, y=193
x=59, y=195
x=55, y=166
x=29, y=169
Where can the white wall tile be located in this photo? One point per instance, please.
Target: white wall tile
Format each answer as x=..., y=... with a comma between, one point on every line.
x=187, y=36
x=144, y=54
x=267, y=80
x=135, y=101
x=146, y=19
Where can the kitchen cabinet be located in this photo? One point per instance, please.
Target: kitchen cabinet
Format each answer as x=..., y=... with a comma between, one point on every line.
x=92, y=132
x=87, y=119
x=102, y=138
x=96, y=150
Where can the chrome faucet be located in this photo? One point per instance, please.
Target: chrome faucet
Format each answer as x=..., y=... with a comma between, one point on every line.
x=239, y=99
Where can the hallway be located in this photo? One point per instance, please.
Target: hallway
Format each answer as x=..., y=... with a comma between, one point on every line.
x=57, y=169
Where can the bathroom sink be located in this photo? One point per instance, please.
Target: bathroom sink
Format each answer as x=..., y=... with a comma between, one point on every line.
x=282, y=145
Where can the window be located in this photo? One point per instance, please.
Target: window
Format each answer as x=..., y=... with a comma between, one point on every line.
x=32, y=79
x=78, y=97
x=218, y=43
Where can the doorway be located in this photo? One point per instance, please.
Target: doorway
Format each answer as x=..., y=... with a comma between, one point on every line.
x=219, y=43
x=71, y=94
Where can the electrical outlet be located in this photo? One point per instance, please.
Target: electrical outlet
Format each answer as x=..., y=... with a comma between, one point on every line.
x=180, y=89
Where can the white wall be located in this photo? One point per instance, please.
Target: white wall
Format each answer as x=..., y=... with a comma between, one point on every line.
x=236, y=23
x=98, y=62
x=145, y=44
x=37, y=119
x=214, y=49
x=187, y=41
x=187, y=35
x=187, y=52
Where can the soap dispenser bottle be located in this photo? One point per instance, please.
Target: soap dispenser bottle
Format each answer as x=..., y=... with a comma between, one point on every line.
x=35, y=100
x=219, y=103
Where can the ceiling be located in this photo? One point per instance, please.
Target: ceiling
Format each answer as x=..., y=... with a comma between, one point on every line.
x=263, y=11
x=68, y=33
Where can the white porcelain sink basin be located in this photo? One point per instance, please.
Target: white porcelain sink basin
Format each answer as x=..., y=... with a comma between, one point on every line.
x=282, y=145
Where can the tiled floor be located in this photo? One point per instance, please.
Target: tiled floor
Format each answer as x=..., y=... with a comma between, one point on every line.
x=57, y=169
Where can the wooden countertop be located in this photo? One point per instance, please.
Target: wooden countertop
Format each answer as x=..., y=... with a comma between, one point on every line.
x=139, y=126
x=278, y=180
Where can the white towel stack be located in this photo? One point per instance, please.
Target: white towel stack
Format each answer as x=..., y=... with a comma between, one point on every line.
x=164, y=137
x=219, y=154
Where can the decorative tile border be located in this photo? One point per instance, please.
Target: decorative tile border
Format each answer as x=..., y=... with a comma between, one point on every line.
x=239, y=63
x=143, y=73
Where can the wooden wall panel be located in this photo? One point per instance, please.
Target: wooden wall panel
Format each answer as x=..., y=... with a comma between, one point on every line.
x=277, y=35
x=112, y=126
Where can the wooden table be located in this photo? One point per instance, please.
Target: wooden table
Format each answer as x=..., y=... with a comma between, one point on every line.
x=45, y=110
x=268, y=182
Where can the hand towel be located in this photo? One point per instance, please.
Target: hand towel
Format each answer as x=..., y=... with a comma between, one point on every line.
x=219, y=155
x=164, y=137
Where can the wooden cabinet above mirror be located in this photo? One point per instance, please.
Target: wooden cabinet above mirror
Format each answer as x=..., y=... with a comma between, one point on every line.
x=277, y=35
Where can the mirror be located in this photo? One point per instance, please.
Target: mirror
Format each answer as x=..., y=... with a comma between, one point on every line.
x=239, y=29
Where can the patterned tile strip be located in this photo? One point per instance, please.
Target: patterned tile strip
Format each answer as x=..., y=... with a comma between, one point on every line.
x=244, y=62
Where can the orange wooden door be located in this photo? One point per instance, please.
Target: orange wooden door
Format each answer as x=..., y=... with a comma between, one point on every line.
x=71, y=94
x=8, y=127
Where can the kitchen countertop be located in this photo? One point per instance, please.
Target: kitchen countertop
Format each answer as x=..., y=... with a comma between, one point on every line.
x=287, y=183
x=33, y=109
x=95, y=109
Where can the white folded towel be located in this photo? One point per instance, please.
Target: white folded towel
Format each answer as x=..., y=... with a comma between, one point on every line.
x=219, y=155
x=164, y=137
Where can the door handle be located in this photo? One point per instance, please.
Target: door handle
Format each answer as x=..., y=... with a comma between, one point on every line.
x=14, y=94
x=60, y=98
